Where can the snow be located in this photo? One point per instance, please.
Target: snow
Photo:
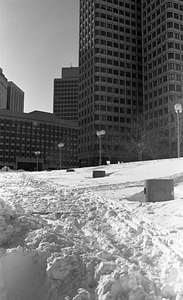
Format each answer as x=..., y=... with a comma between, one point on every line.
x=69, y=236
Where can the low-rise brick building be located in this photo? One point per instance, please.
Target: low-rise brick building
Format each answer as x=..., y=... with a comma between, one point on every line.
x=22, y=134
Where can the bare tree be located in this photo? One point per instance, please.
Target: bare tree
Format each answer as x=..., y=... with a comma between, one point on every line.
x=137, y=141
x=146, y=138
x=112, y=146
x=52, y=157
x=155, y=140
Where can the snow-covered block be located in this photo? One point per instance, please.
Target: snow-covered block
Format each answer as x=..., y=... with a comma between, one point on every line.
x=82, y=295
x=62, y=267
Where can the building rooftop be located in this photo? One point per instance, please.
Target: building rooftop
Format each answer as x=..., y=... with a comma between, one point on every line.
x=38, y=116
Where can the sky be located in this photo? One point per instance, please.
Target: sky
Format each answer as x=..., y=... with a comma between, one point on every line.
x=38, y=38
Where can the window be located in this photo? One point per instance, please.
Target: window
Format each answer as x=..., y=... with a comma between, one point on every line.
x=171, y=76
x=177, y=66
x=176, y=36
x=171, y=87
x=170, y=25
x=170, y=45
x=169, y=15
x=177, y=56
x=178, y=88
x=178, y=77
x=176, y=25
x=170, y=55
x=171, y=66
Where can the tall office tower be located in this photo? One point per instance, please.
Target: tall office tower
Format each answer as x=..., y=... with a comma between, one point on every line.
x=66, y=94
x=163, y=66
x=15, y=98
x=3, y=90
x=110, y=62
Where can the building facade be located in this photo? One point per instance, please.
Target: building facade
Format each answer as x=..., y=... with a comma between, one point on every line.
x=163, y=66
x=111, y=82
x=15, y=98
x=66, y=94
x=23, y=134
x=3, y=90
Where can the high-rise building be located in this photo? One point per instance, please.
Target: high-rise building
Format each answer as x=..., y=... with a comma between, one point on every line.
x=11, y=96
x=15, y=98
x=110, y=62
x=3, y=90
x=66, y=94
x=163, y=65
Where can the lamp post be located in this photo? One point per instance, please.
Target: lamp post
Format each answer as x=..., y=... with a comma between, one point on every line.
x=100, y=134
x=37, y=154
x=178, y=110
x=60, y=146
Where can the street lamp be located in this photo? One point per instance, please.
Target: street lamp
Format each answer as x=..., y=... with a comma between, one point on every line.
x=178, y=110
x=37, y=154
x=60, y=146
x=100, y=134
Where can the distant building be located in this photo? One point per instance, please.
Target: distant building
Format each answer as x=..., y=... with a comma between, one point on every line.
x=66, y=89
x=15, y=98
x=22, y=134
x=3, y=90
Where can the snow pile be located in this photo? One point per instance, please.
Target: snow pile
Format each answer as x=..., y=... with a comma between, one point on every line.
x=6, y=169
x=68, y=244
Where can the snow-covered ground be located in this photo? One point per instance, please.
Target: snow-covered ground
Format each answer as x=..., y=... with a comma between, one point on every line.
x=69, y=236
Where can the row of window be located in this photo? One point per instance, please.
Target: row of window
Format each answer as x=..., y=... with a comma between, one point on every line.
x=66, y=82
x=66, y=89
x=123, y=92
x=118, y=81
x=63, y=103
x=157, y=103
x=163, y=59
x=126, y=65
x=124, y=83
x=161, y=70
x=112, y=18
x=88, y=4
x=118, y=63
x=27, y=134
x=114, y=36
x=162, y=29
x=115, y=44
x=115, y=9
x=19, y=125
x=116, y=100
x=114, y=27
x=115, y=90
x=155, y=5
x=66, y=93
x=114, y=109
x=163, y=90
x=161, y=80
x=116, y=71
x=157, y=52
x=168, y=35
x=162, y=18
x=109, y=118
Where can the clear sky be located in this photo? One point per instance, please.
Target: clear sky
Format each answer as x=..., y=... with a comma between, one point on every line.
x=37, y=39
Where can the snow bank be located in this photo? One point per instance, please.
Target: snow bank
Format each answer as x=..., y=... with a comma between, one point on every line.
x=58, y=243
